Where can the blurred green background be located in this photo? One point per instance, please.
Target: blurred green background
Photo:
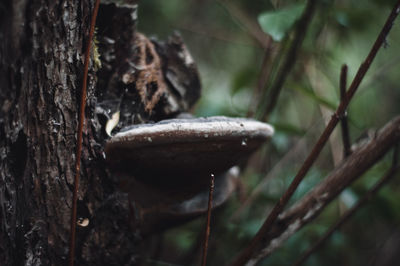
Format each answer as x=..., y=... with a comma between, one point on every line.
x=224, y=40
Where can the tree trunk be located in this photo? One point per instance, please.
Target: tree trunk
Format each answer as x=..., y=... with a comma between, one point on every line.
x=41, y=66
x=41, y=63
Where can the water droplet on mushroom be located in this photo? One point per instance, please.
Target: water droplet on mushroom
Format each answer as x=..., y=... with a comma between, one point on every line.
x=244, y=142
x=206, y=135
x=149, y=139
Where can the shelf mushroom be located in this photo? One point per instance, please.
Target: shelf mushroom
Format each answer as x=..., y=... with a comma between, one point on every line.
x=166, y=163
x=185, y=150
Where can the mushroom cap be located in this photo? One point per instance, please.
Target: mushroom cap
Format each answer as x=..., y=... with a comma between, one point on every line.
x=185, y=151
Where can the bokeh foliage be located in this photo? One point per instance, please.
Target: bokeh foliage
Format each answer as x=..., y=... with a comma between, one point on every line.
x=229, y=60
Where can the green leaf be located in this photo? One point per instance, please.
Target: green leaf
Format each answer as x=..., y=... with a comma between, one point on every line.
x=278, y=22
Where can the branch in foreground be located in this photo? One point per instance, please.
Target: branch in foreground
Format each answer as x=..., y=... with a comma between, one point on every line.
x=350, y=212
x=343, y=122
x=315, y=201
x=207, y=233
x=257, y=242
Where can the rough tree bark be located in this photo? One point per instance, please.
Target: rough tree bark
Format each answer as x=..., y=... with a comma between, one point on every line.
x=41, y=62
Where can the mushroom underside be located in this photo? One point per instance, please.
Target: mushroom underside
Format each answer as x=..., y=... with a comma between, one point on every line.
x=182, y=164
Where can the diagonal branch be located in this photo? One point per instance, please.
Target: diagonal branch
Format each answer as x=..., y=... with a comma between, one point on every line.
x=320, y=196
x=258, y=241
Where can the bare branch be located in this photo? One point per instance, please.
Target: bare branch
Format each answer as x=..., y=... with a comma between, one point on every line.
x=343, y=122
x=315, y=201
x=350, y=212
x=207, y=233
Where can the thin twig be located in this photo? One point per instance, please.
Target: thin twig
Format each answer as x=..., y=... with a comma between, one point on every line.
x=250, y=26
x=290, y=59
x=350, y=212
x=257, y=242
x=79, y=137
x=343, y=121
x=207, y=233
x=264, y=75
x=289, y=159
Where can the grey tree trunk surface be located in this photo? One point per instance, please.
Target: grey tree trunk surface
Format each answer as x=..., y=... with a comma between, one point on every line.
x=41, y=62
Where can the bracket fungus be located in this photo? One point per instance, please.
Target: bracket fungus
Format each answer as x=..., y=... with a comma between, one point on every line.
x=166, y=166
x=185, y=151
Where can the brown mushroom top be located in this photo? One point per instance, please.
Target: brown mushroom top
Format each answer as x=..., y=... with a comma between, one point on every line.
x=185, y=149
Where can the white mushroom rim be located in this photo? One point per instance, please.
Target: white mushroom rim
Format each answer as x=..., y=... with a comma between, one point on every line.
x=192, y=129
